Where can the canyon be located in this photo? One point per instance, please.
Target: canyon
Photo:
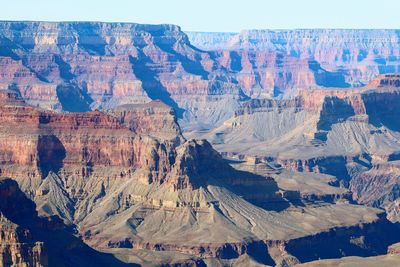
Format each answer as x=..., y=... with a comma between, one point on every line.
x=281, y=62
x=127, y=144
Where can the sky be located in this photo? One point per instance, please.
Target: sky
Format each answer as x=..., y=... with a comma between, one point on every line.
x=214, y=15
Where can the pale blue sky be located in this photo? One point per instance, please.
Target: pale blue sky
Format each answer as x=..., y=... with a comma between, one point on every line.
x=214, y=15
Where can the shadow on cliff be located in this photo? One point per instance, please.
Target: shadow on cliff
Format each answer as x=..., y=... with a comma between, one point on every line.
x=73, y=98
x=331, y=165
x=190, y=66
x=89, y=38
x=236, y=61
x=334, y=110
x=7, y=47
x=256, y=189
x=62, y=246
x=153, y=87
x=205, y=166
x=383, y=113
x=51, y=154
x=325, y=78
x=369, y=240
x=64, y=68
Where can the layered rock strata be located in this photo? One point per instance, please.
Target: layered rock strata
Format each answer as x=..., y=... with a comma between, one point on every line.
x=124, y=185
x=269, y=63
x=349, y=134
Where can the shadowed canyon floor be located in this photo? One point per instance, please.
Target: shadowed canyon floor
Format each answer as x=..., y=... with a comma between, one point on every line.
x=124, y=144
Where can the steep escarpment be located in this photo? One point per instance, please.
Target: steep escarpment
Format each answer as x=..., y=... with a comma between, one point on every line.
x=57, y=140
x=317, y=114
x=81, y=66
x=30, y=240
x=93, y=169
x=271, y=62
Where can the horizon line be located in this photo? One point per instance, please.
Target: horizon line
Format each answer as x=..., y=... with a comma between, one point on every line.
x=199, y=31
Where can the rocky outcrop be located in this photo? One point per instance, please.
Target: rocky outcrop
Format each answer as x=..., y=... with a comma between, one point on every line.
x=77, y=142
x=18, y=248
x=155, y=119
x=30, y=240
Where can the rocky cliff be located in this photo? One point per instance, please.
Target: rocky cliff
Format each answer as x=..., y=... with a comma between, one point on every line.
x=74, y=66
x=31, y=240
x=274, y=62
x=89, y=116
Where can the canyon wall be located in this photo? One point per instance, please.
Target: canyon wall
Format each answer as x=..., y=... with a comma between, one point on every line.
x=90, y=111
x=268, y=62
x=18, y=246
x=75, y=66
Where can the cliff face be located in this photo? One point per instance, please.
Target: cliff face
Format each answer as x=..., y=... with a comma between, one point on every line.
x=273, y=62
x=73, y=165
x=117, y=168
x=18, y=247
x=36, y=142
x=82, y=66
x=31, y=240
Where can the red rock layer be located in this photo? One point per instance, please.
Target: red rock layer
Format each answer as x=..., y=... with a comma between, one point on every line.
x=34, y=142
x=270, y=62
x=102, y=61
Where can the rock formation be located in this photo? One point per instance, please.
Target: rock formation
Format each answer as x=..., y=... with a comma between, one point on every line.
x=350, y=134
x=89, y=130
x=125, y=186
x=274, y=62
x=74, y=66
x=87, y=66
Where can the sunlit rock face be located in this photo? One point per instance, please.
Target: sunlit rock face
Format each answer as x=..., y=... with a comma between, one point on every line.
x=275, y=62
x=82, y=66
x=79, y=66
